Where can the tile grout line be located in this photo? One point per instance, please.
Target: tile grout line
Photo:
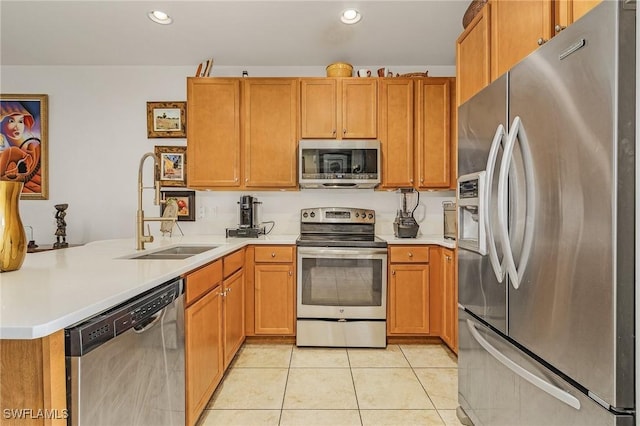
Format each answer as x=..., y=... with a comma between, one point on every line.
x=422, y=385
x=286, y=383
x=353, y=382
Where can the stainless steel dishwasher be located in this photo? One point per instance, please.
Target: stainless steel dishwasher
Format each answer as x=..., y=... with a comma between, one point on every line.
x=125, y=366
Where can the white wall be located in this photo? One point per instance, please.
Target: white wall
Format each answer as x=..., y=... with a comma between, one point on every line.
x=97, y=135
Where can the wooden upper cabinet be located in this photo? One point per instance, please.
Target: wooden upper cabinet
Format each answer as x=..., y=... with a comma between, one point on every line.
x=395, y=131
x=569, y=11
x=517, y=29
x=213, y=132
x=473, y=67
x=433, y=132
x=270, y=132
x=319, y=108
x=359, y=108
x=338, y=108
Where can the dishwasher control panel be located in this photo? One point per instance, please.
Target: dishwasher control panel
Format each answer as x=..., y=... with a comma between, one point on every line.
x=137, y=312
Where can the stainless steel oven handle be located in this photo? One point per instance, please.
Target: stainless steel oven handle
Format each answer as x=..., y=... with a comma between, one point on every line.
x=341, y=252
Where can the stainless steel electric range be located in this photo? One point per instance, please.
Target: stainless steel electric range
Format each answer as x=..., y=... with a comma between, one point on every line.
x=342, y=279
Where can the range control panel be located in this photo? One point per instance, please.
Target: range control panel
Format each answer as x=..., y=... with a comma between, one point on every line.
x=337, y=215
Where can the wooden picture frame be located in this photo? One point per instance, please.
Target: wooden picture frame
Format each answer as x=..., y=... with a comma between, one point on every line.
x=172, y=165
x=24, y=143
x=186, y=204
x=166, y=119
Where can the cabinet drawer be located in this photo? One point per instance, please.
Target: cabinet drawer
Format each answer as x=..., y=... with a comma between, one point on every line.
x=202, y=281
x=408, y=254
x=233, y=262
x=274, y=254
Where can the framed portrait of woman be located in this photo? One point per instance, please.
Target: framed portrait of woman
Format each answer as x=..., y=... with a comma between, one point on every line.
x=24, y=143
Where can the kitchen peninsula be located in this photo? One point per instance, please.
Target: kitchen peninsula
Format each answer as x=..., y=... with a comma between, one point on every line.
x=56, y=289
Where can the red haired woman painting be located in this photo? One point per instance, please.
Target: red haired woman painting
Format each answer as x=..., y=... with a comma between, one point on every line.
x=20, y=146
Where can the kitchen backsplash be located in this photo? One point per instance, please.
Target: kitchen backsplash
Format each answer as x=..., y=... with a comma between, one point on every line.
x=216, y=211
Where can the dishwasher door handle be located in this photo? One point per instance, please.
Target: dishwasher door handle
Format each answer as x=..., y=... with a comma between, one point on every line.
x=149, y=322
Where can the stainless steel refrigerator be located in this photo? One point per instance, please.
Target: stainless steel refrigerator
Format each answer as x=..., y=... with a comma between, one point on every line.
x=546, y=198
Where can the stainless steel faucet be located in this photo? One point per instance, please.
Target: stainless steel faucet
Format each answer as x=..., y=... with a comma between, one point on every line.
x=141, y=238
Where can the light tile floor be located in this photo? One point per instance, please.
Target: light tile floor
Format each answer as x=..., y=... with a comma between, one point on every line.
x=281, y=384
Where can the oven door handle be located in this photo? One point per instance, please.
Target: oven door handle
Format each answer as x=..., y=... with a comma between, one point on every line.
x=341, y=252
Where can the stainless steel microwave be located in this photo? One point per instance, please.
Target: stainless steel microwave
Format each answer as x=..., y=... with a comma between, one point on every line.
x=339, y=163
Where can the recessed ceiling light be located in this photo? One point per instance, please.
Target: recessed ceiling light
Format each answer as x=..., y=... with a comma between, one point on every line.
x=350, y=16
x=160, y=17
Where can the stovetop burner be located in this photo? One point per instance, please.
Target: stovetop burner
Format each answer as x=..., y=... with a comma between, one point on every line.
x=338, y=227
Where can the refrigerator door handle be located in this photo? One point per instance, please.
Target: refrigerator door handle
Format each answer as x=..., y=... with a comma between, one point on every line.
x=541, y=384
x=498, y=139
x=516, y=133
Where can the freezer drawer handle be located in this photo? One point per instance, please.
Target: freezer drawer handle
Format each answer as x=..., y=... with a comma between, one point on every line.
x=498, y=269
x=541, y=384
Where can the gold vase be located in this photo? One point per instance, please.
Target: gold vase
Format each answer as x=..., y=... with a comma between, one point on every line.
x=14, y=241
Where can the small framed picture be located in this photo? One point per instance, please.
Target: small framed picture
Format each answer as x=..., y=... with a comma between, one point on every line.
x=166, y=119
x=186, y=201
x=173, y=165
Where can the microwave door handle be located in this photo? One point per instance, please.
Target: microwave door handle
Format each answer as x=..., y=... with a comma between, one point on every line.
x=498, y=141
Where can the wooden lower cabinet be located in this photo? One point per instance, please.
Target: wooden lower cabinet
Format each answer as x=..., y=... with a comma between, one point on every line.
x=274, y=296
x=214, y=328
x=32, y=376
x=233, y=308
x=409, y=298
x=203, y=352
x=449, y=299
x=203, y=338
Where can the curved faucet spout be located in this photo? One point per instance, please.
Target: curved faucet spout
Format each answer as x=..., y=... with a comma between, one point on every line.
x=141, y=238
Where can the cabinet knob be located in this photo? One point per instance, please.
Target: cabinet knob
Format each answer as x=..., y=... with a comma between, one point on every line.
x=273, y=254
x=541, y=41
x=290, y=272
x=559, y=28
x=410, y=254
x=246, y=179
x=393, y=272
x=344, y=131
x=334, y=132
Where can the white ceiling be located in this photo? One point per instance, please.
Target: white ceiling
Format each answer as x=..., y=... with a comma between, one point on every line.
x=240, y=32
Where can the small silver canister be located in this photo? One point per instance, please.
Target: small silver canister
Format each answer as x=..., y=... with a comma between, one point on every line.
x=449, y=214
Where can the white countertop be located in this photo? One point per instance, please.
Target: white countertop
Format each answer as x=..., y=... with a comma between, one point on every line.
x=55, y=289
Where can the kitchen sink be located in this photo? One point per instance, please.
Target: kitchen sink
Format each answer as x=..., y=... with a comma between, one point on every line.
x=173, y=253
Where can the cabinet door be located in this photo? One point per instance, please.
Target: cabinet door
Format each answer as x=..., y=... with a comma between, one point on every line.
x=517, y=29
x=270, y=117
x=319, y=107
x=274, y=299
x=569, y=11
x=450, y=296
x=359, y=108
x=408, y=299
x=433, y=133
x=203, y=352
x=395, y=124
x=213, y=132
x=473, y=67
x=233, y=288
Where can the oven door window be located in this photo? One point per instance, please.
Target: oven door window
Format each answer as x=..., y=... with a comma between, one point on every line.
x=342, y=282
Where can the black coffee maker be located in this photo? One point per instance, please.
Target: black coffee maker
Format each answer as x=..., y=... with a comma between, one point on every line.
x=249, y=226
